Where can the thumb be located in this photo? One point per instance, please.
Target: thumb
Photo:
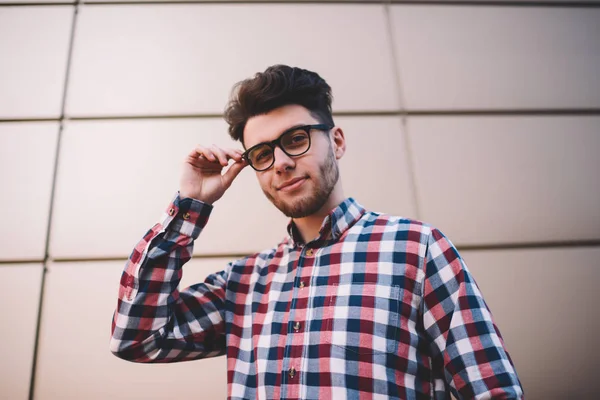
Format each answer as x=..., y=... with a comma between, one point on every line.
x=233, y=172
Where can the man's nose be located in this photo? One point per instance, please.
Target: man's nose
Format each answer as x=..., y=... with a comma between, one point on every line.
x=283, y=162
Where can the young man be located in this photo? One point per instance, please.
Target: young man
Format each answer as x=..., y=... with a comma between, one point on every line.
x=353, y=304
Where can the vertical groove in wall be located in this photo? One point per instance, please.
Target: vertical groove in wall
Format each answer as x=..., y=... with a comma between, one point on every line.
x=51, y=205
x=410, y=164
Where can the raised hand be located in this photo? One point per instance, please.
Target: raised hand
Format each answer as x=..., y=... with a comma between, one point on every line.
x=202, y=177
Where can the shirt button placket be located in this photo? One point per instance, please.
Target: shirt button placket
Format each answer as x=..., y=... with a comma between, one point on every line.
x=297, y=326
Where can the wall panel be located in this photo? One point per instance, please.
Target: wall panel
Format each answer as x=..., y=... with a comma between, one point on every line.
x=473, y=58
x=79, y=302
x=490, y=180
x=184, y=59
x=27, y=155
x=19, y=297
x=544, y=302
x=375, y=169
x=34, y=45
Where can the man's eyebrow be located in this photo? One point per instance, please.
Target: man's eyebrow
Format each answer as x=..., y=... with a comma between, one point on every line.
x=295, y=126
x=292, y=127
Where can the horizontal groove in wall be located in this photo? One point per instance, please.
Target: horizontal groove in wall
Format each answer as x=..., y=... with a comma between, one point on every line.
x=106, y=259
x=530, y=246
x=217, y=2
x=14, y=120
x=121, y=117
x=466, y=247
x=5, y=262
x=495, y=3
x=541, y=3
x=499, y=3
x=37, y=4
x=407, y=113
x=508, y=113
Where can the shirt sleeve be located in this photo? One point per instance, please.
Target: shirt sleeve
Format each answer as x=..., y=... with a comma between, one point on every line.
x=154, y=321
x=468, y=352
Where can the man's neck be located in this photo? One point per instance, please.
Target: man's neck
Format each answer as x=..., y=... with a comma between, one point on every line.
x=309, y=226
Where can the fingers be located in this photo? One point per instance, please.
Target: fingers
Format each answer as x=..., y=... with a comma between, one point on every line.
x=233, y=171
x=205, y=154
x=224, y=155
x=215, y=155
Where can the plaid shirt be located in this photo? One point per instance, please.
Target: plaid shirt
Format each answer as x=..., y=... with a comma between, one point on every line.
x=376, y=307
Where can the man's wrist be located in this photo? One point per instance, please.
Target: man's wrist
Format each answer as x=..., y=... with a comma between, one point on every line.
x=193, y=196
x=187, y=215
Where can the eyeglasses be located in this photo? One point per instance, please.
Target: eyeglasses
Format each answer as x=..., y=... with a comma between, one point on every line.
x=293, y=142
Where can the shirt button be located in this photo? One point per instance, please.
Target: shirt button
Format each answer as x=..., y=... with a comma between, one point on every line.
x=186, y=216
x=292, y=372
x=171, y=212
x=309, y=252
x=297, y=326
x=301, y=285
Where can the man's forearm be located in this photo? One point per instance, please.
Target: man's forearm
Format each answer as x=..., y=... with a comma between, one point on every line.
x=150, y=323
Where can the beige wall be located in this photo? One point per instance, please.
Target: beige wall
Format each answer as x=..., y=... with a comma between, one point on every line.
x=482, y=120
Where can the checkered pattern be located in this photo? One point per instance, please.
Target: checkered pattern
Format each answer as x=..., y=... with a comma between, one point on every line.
x=376, y=307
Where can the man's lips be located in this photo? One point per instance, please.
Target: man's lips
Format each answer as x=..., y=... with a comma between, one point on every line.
x=291, y=184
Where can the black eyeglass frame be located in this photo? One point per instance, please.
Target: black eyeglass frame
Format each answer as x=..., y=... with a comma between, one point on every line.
x=277, y=142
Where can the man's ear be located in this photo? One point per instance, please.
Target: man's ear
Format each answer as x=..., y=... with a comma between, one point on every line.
x=338, y=141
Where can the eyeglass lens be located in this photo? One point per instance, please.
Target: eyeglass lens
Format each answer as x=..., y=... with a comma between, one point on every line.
x=293, y=143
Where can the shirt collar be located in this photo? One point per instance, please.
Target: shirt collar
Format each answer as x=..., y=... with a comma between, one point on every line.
x=339, y=220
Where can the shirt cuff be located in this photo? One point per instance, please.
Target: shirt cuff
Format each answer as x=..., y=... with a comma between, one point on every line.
x=186, y=216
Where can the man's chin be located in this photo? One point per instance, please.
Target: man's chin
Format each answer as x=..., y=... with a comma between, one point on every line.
x=300, y=207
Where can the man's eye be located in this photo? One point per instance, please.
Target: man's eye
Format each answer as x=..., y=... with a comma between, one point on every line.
x=297, y=138
x=262, y=155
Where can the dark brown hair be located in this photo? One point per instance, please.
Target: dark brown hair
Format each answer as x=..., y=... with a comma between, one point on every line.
x=278, y=86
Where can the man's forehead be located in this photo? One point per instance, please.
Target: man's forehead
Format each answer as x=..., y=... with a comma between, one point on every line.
x=267, y=127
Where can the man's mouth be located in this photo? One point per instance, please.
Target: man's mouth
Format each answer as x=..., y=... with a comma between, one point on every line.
x=291, y=184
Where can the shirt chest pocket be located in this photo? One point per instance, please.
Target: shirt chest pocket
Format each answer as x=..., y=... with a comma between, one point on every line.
x=363, y=318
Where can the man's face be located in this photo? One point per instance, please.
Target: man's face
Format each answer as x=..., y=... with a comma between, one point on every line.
x=298, y=186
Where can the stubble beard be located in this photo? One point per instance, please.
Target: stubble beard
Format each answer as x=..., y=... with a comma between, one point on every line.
x=324, y=184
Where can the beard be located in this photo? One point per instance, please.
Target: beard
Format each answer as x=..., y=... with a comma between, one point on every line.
x=329, y=174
